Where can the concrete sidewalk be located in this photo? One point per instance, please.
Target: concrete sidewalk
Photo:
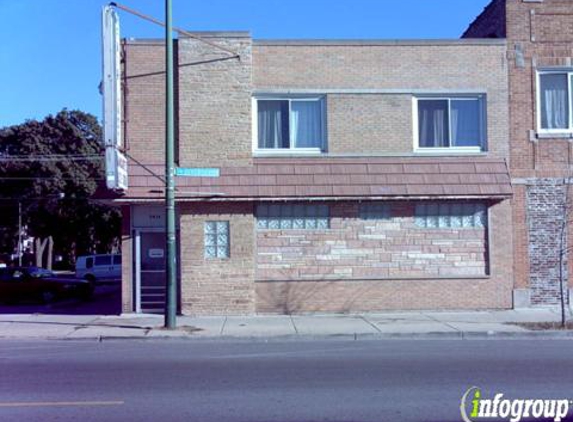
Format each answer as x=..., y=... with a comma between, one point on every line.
x=479, y=324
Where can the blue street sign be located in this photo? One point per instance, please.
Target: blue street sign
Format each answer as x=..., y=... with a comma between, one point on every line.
x=197, y=172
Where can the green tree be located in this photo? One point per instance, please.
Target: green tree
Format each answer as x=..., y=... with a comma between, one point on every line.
x=54, y=167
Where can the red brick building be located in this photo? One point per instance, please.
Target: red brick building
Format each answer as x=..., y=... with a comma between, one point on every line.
x=539, y=34
x=354, y=175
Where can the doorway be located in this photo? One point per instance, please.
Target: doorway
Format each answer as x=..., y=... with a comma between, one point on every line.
x=150, y=272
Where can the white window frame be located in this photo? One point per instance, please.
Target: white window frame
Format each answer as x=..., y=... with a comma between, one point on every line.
x=290, y=150
x=448, y=150
x=538, y=73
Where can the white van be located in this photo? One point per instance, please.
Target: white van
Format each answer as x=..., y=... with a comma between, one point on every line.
x=99, y=267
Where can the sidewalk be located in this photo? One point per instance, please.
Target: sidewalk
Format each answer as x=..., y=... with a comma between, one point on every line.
x=400, y=325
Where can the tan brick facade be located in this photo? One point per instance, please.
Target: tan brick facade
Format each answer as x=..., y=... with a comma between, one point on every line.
x=217, y=286
x=215, y=103
x=143, y=99
x=356, y=122
x=369, y=90
x=370, y=86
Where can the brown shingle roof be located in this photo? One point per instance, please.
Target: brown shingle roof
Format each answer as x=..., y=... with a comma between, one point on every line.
x=330, y=177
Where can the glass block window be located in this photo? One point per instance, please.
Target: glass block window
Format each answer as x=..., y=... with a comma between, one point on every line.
x=451, y=215
x=292, y=217
x=216, y=239
x=374, y=211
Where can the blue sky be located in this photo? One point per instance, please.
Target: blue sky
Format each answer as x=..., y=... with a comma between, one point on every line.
x=50, y=54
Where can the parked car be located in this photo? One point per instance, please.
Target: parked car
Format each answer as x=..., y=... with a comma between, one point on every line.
x=98, y=268
x=33, y=283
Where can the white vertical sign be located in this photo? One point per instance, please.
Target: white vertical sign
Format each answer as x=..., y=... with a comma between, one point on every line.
x=116, y=163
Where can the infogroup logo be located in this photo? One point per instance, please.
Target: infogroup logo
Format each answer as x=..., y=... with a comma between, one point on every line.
x=474, y=407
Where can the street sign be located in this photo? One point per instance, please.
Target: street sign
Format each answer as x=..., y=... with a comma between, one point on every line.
x=197, y=172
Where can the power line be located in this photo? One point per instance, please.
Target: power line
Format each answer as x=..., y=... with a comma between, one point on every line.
x=50, y=154
x=48, y=158
x=45, y=178
x=181, y=31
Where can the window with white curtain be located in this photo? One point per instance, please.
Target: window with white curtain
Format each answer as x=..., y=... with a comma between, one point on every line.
x=453, y=123
x=554, y=101
x=290, y=124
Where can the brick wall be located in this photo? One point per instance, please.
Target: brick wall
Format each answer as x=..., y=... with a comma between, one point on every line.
x=214, y=96
x=144, y=99
x=214, y=129
x=546, y=210
x=364, y=266
x=369, y=123
x=490, y=23
x=126, y=261
x=520, y=236
x=217, y=286
x=215, y=102
x=537, y=37
x=382, y=123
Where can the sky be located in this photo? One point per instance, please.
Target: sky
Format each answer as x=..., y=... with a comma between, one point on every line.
x=50, y=53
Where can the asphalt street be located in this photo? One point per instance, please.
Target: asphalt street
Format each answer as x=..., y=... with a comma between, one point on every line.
x=205, y=381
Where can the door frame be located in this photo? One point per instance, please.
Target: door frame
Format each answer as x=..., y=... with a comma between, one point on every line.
x=137, y=267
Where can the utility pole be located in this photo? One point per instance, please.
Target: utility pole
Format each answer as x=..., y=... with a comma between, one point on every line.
x=19, y=233
x=171, y=290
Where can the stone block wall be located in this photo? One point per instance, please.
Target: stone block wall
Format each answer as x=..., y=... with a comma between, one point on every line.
x=355, y=248
x=363, y=279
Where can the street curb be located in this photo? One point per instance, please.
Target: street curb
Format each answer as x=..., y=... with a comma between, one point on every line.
x=460, y=335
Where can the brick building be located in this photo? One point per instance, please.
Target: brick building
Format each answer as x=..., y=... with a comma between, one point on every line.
x=539, y=34
x=354, y=175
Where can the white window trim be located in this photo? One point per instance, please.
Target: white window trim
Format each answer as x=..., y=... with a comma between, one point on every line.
x=449, y=150
x=540, y=130
x=287, y=151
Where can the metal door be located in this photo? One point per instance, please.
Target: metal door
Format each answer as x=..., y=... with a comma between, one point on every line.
x=150, y=272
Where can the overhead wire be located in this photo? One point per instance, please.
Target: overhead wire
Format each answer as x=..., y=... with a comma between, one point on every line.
x=181, y=31
x=49, y=158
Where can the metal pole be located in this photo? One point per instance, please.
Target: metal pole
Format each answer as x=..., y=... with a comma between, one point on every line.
x=171, y=291
x=20, y=233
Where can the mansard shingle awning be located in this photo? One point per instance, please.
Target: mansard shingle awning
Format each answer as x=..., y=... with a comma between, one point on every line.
x=336, y=178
